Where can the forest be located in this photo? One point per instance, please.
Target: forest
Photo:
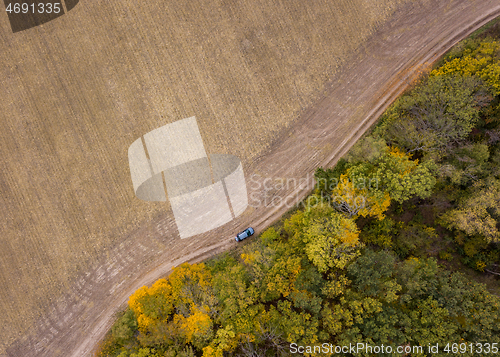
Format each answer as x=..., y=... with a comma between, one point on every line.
x=398, y=245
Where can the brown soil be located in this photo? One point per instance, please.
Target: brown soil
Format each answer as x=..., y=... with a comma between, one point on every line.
x=416, y=35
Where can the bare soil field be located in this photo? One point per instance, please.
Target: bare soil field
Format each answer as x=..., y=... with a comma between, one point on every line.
x=285, y=87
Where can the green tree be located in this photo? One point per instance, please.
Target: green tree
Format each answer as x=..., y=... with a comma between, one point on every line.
x=367, y=149
x=145, y=352
x=327, y=180
x=125, y=327
x=402, y=177
x=434, y=117
x=409, y=303
x=308, y=293
x=295, y=326
x=412, y=239
x=472, y=313
x=478, y=213
x=380, y=232
x=467, y=163
x=373, y=274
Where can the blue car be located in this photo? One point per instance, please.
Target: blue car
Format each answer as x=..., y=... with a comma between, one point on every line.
x=245, y=234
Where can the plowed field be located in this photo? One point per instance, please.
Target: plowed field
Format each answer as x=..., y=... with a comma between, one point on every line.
x=285, y=86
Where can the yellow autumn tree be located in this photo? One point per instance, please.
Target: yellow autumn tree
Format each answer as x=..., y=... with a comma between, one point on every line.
x=152, y=305
x=225, y=341
x=479, y=62
x=280, y=279
x=331, y=238
x=194, y=302
x=358, y=199
x=182, y=305
x=197, y=325
x=367, y=188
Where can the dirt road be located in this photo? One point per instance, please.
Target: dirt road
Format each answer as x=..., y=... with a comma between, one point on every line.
x=415, y=37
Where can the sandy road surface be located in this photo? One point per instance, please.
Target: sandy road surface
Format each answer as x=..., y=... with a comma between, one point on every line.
x=377, y=74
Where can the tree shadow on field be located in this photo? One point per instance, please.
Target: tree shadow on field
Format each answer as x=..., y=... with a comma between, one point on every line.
x=32, y=13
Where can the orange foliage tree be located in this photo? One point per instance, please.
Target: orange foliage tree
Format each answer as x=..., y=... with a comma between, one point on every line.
x=180, y=307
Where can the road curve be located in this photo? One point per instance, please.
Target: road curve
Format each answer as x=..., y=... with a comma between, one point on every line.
x=415, y=37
